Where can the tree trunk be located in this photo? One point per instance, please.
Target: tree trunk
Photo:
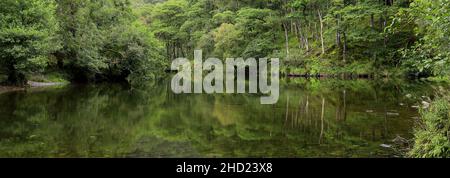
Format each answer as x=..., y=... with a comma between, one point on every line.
x=300, y=35
x=306, y=37
x=384, y=26
x=321, y=31
x=372, y=21
x=297, y=35
x=344, y=51
x=15, y=77
x=338, y=33
x=286, y=35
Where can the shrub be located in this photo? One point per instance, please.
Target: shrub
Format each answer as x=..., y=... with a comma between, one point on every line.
x=432, y=138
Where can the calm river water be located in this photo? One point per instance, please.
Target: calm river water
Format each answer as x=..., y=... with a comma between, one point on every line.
x=313, y=118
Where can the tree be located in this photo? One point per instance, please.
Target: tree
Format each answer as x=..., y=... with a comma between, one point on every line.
x=430, y=53
x=132, y=53
x=258, y=28
x=168, y=19
x=27, y=37
x=226, y=38
x=104, y=40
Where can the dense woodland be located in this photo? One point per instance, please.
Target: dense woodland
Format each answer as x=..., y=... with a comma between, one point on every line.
x=135, y=40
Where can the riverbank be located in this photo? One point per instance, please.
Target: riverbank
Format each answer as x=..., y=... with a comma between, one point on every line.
x=5, y=89
x=30, y=84
x=36, y=81
x=432, y=135
x=313, y=67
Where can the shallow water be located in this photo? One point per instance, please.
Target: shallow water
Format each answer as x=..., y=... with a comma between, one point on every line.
x=313, y=118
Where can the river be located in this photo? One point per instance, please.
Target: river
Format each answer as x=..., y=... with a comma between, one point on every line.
x=313, y=118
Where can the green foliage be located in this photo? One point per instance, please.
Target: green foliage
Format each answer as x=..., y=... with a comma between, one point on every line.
x=226, y=37
x=90, y=40
x=258, y=28
x=118, y=40
x=432, y=139
x=224, y=17
x=220, y=30
x=27, y=36
x=132, y=53
x=430, y=54
x=49, y=77
x=104, y=40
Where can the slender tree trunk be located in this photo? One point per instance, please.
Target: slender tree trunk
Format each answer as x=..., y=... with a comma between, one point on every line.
x=182, y=51
x=372, y=21
x=384, y=27
x=338, y=32
x=169, y=55
x=306, y=37
x=297, y=34
x=381, y=23
x=300, y=34
x=286, y=35
x=344, y=51
x=321, y=31
x=174, y=52
x=291, y=21
x=316, y=33
x=294, y=24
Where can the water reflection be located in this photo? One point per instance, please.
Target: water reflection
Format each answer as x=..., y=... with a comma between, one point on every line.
x=313, y=118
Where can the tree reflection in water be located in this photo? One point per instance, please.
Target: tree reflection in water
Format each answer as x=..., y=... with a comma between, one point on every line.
x=313, y=118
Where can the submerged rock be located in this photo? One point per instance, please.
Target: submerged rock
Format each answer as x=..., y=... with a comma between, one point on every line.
x=392, y=114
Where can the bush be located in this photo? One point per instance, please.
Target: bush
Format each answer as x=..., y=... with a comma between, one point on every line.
x=432, y=138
